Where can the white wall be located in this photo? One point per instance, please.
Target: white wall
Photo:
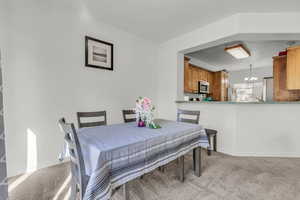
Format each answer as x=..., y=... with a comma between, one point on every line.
x=45, y=77
x=268, y=130
x=221, y=118
x=170, y=78
x=3, y=22
x=252, y=129
x=170, y=65
x=236, y=27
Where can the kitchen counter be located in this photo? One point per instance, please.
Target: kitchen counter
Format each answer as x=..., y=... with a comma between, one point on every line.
x=233, y=102
x=251, y=128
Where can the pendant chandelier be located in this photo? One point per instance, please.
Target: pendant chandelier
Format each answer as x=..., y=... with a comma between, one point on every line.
x=251, y=78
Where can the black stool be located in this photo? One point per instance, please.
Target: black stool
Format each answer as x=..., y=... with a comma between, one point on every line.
x=211, y=134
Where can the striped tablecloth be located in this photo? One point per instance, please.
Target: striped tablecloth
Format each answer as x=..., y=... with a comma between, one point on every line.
x=116, y=154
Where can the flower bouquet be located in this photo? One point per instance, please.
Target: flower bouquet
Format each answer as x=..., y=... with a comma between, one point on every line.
x=144, y=112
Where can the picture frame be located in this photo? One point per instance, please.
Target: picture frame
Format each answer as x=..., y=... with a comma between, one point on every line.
x=99, y=54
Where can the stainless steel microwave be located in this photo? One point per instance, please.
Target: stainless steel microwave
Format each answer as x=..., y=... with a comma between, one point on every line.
x=203, y=87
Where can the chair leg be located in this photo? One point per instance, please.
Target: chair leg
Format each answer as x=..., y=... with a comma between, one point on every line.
x=161, y=169
x=74, y=190
x=198, y=165
x=125, y=191
x=181, y=168
x=209, y=152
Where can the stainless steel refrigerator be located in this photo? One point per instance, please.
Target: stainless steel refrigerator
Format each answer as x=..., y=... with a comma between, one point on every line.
x=268, y=89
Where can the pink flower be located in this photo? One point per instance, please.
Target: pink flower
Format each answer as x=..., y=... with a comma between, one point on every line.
x=147, y=100
x=146, y=106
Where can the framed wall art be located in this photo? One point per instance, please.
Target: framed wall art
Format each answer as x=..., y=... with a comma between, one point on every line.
x=98, y=54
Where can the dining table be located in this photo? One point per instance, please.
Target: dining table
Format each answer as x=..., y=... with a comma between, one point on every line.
x=116, y=154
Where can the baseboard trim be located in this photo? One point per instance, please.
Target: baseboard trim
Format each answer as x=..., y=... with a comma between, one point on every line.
x=262, y=155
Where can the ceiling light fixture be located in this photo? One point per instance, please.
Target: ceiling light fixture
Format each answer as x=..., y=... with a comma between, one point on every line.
x=250, y=78
x=238, y=51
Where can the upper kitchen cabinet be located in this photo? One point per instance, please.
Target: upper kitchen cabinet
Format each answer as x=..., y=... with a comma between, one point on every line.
x=210, y=77
x=195, y=79
x=193, y=74
x=281, y=93
x=187, y=76
x=220, y=86
x=293, y=68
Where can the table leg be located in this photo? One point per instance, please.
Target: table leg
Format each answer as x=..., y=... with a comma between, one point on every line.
x=209, y=151
x=181, y=168
x=194, y=159
x=74, y=190
x=198, y=161
x=125, y=191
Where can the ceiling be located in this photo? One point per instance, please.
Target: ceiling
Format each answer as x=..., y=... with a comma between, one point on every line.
x=215, y=58
x=160, y=20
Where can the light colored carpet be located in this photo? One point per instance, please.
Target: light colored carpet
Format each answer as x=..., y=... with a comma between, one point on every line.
x=224, y=178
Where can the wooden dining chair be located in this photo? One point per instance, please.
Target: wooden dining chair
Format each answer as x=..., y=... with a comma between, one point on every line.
x=79, y=177
x=98, y=114
x=209, y=132
x=212, y=135
x=192, y=113
x=127, y=116
x=180, y=118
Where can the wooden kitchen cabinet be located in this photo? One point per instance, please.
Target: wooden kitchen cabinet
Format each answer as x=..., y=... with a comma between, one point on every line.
x=225, y=85
x=218, y=81
x=281, y=92
x=206, y=75
x=210, y=77
x=193, y=74
x=200, y=75
x=220, y=86
x=293, y=68
x=187, y=76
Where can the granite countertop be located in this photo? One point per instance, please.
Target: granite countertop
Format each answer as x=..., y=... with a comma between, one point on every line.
x=233, y=102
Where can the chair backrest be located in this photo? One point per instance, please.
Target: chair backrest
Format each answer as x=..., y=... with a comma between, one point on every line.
x=81, y=115
x=77, y=162
x=127, y=114
x=194, y=113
